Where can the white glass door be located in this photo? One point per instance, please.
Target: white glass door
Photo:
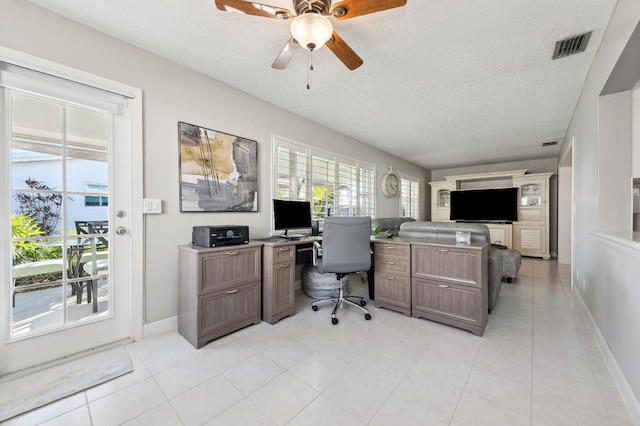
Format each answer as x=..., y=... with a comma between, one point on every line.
x=68, y=285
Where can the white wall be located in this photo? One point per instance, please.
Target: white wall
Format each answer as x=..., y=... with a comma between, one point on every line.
x=171, y=94
x=610, y=275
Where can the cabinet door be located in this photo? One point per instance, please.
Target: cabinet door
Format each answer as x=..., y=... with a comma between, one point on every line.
x=531, y=240
x=224, y=309
x=441, y=298
x=231, y=267
x=500, y=234
x=454, y=264
x=393, y=289
x=283, y=283
x=441, y=200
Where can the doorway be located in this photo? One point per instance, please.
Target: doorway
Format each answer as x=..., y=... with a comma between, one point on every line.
x=69, y=249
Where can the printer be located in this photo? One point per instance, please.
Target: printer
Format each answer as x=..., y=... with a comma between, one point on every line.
x=218, y=236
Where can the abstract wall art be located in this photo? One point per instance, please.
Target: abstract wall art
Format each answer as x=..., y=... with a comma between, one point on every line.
x=218, y=171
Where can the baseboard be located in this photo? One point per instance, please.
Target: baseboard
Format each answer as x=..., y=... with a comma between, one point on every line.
x=161, y=326
x=626, y=393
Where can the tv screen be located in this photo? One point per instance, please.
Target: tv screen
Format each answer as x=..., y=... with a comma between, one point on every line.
x=291, y=214
x=485, y=205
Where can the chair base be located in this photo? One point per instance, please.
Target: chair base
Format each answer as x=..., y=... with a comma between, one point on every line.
x=359, y=303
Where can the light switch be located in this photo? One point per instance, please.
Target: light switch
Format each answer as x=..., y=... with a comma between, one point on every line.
x=152, y=206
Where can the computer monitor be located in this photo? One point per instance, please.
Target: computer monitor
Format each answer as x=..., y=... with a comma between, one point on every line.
x=291, y=215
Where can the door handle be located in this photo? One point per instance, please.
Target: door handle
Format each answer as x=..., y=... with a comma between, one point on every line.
x=121, y=230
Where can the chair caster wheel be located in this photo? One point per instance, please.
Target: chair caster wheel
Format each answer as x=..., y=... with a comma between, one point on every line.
x=314, y=307
x=363, y=303
x=334, y=321
x=367, y=317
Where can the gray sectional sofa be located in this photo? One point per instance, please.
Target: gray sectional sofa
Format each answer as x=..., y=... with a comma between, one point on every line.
x=445, y=232
x=391, y=224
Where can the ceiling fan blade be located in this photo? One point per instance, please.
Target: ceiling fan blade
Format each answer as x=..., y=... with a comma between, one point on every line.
x=250, y=8
x=344, y=52
x=286, y=55
x=351, y=8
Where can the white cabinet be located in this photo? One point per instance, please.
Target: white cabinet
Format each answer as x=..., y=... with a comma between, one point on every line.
x=501, y=233
x=441, y=200
x=531, y=232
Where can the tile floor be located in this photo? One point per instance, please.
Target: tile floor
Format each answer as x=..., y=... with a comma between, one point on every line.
x=537, y=364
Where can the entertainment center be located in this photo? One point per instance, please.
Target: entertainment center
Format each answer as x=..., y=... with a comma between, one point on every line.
x=528, y=232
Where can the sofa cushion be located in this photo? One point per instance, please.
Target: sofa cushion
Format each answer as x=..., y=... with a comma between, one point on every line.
x=391, y=224
x=445, y=231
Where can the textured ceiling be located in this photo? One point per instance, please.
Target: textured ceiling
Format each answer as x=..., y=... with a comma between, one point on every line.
x=444, y=83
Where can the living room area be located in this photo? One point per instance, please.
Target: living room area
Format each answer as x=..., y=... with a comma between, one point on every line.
x=558, y=346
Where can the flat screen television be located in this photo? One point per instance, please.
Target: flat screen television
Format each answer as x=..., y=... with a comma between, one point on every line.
x=291, y=215
x=485, y=205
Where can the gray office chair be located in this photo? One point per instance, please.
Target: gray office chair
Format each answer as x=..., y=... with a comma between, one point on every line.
x=345, y=250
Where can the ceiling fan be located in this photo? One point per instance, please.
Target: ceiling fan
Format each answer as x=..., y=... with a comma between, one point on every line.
x=311, y=28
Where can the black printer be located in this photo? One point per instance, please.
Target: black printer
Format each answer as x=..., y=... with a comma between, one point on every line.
x=218, y=236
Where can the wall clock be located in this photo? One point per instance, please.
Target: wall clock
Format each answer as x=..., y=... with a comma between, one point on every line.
x=390, y=184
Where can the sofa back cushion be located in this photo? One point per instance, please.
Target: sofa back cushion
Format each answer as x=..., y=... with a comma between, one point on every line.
x=444, y=232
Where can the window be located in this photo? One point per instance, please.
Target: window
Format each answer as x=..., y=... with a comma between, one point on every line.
x=409, y=199
x=96, y=200
x=336, y=186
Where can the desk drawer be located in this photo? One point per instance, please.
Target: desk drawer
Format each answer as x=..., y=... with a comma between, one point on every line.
x=398, y=251
x=230, y=267
x=284, y=254
x=392, y=265
x=452, y=263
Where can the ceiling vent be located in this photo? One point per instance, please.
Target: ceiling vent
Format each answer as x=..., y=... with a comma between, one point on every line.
x=571, y=46
x=552, y=143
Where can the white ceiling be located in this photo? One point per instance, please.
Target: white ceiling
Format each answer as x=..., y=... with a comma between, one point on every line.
x=445, y=83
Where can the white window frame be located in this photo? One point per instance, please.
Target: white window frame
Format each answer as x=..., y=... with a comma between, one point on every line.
x=301, y=174
x=409, y=201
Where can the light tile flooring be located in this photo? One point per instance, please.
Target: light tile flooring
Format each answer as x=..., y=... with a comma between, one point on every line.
x=537, y=364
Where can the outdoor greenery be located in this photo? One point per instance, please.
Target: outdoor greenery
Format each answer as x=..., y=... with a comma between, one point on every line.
x=42, y=206
x=25, y=226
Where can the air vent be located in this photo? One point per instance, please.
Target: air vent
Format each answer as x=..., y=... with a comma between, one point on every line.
x=552, y=143
x=571, y=46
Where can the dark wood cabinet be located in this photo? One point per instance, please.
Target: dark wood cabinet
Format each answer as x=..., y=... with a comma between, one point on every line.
x=219, y=291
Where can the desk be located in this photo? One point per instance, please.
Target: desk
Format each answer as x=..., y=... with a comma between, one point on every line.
x=279, y=259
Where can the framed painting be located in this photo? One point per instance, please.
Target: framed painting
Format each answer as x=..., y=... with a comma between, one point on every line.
x=218, y=171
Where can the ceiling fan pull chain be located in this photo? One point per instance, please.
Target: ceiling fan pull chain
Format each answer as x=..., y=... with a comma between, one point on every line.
x=309, y=68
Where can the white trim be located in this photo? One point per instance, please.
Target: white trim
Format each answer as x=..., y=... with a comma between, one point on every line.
x=161, y=326
x=138, y=278
x=626, y=393
x=628, y=242
x=28, y=61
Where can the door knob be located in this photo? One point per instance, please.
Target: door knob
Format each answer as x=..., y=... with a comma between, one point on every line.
x=121, y=230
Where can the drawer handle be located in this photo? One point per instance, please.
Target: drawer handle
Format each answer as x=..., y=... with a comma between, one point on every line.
x=443, y=286
x=232, y=253
x=282, y=265
x=391, y=247
x=283, y=249
x=391, y=262
x=443, y=251
x=232, y=291
x=391, y=278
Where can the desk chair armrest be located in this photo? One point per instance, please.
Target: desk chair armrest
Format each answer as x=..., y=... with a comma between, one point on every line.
x=317, y=252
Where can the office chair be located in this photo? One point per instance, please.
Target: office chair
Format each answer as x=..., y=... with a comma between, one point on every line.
x=345, y=250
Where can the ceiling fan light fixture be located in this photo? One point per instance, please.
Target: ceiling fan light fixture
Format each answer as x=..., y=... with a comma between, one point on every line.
x=311, y=30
